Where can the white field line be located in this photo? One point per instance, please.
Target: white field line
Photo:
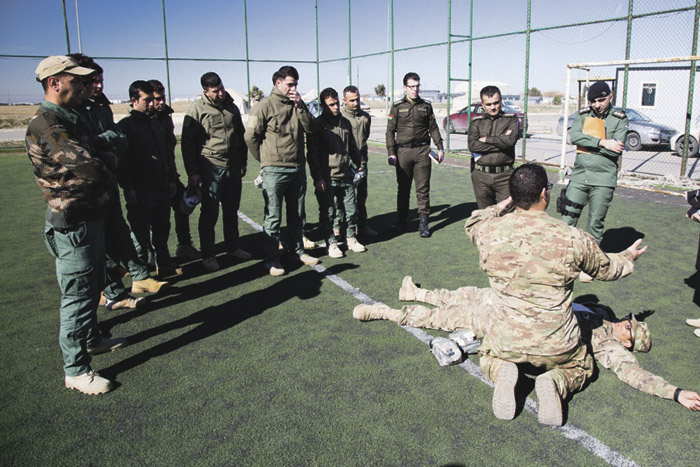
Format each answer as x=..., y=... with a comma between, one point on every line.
x=594, y=445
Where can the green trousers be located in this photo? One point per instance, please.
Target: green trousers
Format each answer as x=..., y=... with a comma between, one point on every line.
x=598, y=199
x=413, y=165
x=360, y=202
x=338, y=198
x=220, y=186
x=80, y=269
x=283, y=185
x=490, y=189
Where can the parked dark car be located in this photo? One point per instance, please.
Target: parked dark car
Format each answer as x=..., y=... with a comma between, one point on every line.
x=641, y=132
x=459, y=121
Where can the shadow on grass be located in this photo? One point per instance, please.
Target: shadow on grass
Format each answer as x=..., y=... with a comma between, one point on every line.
x=617, y=240
x=214, y=319
x=694, y=281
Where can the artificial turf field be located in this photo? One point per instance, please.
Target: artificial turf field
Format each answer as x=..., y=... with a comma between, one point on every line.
x=240, y=368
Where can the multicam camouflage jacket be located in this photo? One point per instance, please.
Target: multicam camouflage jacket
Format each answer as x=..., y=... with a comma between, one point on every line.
x=72, y=176
x=532, y=260
x=597, y=332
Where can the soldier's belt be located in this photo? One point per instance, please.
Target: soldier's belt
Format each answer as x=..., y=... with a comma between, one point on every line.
x=413, y=144
x=493, y=169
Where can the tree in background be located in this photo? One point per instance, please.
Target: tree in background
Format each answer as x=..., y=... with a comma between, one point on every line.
x=380, y=90
x=534, y=92
x=256, y=94
x=556, y=100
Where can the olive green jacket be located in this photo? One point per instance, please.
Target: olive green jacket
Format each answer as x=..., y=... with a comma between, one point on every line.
x=361, y=122
x=501, y=134
x=599, y=168
x=275, y=131
x=411, y=123
x=213, y=133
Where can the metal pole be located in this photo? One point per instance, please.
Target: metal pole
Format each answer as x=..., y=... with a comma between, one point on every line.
x=318, y=73
x=247, y=58
x=469, y=91
x=65, y=24
x=691, y=90
x=567, y=95
x=627, y=55
x=167, y=62
x=527, y=77
x=391, y=16
x=388, y=64
x=77, y=22
x=349, y=46
x=449, y=69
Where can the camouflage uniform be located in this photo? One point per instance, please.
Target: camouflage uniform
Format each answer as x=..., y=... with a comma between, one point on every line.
x=75, y=184
x=532, y=261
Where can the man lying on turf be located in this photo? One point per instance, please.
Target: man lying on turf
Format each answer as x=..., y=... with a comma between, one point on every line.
x=609, y=340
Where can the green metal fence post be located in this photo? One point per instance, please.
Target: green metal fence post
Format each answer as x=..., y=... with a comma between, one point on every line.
x=65, y=24
x=627, y=55
x=449, y=70
x=471, y=41
x=349, y=46
x=391, y=18
x=167, y=63
x=247, y=58
x=691, y=90
x=527, y=77
x=318, y=73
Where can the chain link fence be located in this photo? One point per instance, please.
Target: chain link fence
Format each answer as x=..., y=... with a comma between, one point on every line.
x=521, y=46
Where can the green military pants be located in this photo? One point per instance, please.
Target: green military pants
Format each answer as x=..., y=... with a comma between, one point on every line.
x=413, y=164
x=569, y=370
x=490, y=189
x=598, y=199
x=283, y=185
x=80, y=269
x=360, y=202
x=338, y=198
x=220, y=185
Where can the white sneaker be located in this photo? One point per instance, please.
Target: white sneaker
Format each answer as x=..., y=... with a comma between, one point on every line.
x=334, y=251
x=240, y=254
x=89, y=383
x=355, y=246
x=308, y=243
x=275, y=269
x=308, y=259
x=210, y=264
x=693, y=322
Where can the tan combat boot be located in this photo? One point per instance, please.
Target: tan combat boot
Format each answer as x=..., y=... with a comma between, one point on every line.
x=503, y=402
x=89, y=383
x=407, y=292
x=550, y=411
x=379, y=310
x=148, y=285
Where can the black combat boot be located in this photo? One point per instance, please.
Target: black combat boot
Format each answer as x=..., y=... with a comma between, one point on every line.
x=423, y=227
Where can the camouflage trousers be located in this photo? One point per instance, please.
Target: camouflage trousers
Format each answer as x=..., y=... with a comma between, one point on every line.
x=470, y=308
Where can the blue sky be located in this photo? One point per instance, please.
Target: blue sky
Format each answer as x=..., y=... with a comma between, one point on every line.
x=285, y=31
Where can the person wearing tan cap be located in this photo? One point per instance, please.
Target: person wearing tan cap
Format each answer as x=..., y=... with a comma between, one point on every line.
x=74, y=179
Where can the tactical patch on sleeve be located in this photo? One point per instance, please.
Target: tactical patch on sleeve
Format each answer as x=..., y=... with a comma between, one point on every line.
x=584, y=111
x=480, y=117
x=619, y=114
x=509, y=115
x=389, y=117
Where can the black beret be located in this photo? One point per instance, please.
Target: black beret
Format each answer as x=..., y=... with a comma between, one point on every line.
x=598, y=89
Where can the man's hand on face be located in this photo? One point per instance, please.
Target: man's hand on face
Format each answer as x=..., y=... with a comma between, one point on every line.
x=295, y=97
x=612, y=145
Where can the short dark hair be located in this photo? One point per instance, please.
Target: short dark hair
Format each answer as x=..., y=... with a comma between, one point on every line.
x=157, y=86
x=210, y=80
x=86, y=62
x=526, y=184
x=352, y=89
x=489, y=91
x=139, y=85
x=283, y=72
x=410, y=75
x=325, y=94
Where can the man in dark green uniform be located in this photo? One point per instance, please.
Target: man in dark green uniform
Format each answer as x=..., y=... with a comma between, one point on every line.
x=410, y=125
x=594, y=177
x=492, y=139
x=361, y=122
x=74, y=179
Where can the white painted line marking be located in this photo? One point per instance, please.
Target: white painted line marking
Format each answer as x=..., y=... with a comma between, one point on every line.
x=594, y=445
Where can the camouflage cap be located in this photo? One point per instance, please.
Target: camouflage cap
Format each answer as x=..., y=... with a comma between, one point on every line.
x=642, y=336
x=56, y=64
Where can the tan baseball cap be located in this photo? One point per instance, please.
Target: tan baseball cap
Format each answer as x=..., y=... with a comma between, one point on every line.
x=60, y=64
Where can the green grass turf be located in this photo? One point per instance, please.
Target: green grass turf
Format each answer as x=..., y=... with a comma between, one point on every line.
x=239, y=368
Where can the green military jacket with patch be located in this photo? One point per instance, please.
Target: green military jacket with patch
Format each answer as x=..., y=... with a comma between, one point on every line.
x=214, y=133
x=332, y=149
x=532, y=261
x=501, y=134
x=275, y=131
x=74, y=178
x=599, y=168
x=411, y=122
x=361, y=122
